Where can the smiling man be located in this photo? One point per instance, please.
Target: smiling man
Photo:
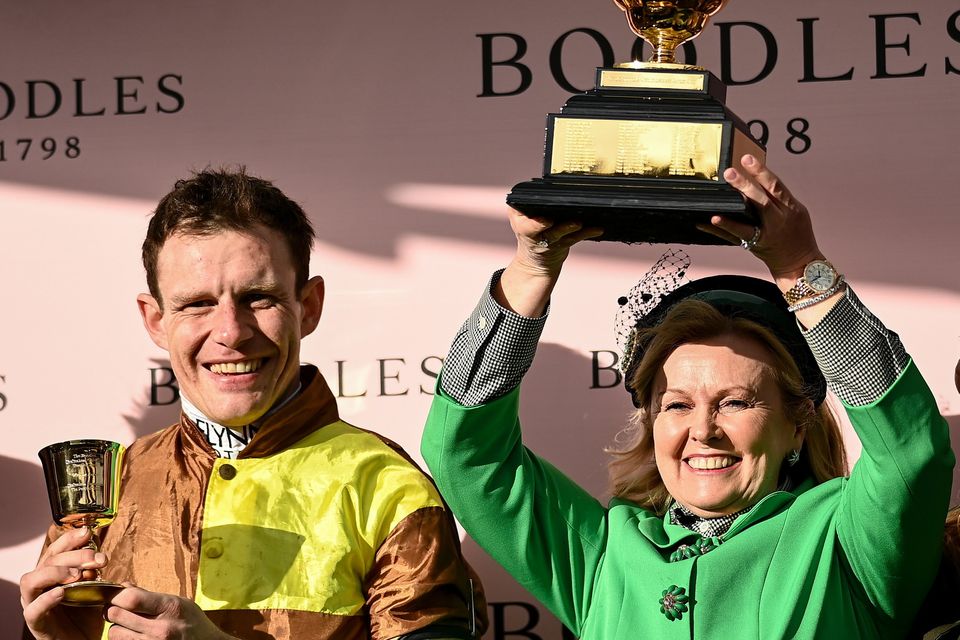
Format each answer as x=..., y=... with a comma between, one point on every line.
x=260, y=514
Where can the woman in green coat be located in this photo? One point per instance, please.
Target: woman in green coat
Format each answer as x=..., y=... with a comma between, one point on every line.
x=732, y=514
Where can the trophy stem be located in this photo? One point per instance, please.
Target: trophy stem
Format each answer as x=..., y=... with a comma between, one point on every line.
x=664, y=47
x=663, y=55
x=93, y=545
x=90, y=593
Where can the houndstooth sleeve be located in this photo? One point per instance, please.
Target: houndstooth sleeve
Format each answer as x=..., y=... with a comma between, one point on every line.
x=859, y=356
x=491, y=352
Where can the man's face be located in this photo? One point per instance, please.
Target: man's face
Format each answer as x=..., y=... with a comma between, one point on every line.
x=231, y=320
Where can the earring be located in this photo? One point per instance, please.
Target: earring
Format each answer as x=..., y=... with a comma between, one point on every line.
x=793, y=457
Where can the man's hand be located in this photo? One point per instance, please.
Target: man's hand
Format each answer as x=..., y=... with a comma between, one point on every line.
x=64, y=561
x=137, y=613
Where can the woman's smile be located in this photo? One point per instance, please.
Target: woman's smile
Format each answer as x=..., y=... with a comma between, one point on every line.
x=712, y=463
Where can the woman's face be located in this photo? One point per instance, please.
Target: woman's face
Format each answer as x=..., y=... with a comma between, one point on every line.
x=719, y=428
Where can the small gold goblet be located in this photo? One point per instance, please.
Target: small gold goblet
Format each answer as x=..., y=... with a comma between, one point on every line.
x=666, y=24
x=83, y=484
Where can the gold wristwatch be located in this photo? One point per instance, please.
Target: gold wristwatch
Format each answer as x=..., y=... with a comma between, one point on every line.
x=818, y=276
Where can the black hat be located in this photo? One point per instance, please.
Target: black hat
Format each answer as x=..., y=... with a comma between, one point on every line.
x=738, y=297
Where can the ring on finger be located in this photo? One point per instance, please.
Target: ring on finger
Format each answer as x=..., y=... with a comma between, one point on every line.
x=752, y=242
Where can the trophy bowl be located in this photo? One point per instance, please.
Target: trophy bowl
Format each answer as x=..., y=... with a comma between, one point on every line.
x=667, y=24
x=83, y=485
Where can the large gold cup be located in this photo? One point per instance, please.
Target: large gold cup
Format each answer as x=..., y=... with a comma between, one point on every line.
x=667, y=24
x=83, y=484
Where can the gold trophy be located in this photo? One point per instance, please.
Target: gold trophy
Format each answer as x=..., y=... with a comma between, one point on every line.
x=642, y=155
x=83, y=484
x=666, y=24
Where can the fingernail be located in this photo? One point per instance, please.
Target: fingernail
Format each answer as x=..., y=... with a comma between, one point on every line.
x=748, y=160
x=733, y=174
x=74, y=572
x=100, y=557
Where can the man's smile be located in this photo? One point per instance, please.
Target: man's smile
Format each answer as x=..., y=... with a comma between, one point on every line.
x=232, y=368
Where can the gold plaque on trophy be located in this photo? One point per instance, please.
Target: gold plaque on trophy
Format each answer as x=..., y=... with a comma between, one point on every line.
x=642, y=155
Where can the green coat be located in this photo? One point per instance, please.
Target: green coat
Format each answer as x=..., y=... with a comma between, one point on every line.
x=849, y=558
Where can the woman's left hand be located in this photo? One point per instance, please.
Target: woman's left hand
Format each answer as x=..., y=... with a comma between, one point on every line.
x=785, y=240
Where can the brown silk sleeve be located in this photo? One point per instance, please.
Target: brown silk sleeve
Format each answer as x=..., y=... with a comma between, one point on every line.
x=419, y=578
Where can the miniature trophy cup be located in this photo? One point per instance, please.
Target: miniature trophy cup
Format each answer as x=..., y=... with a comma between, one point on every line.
x=83, y=483
x=642, y=155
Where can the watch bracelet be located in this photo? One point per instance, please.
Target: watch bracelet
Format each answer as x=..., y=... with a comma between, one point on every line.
x=798, y=292
x=817, y=299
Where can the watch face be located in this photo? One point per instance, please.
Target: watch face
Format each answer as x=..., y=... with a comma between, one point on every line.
x=819, y=275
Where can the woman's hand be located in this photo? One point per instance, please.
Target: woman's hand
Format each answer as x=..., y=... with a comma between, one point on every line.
x=542, y=247
x=784, y=238
x=785, y=241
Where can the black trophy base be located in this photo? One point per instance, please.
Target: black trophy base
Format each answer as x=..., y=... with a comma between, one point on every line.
x=631, y=212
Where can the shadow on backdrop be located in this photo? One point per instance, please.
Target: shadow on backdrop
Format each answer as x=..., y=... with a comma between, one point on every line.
x=160, y=406
x=11, y=613
x=28, y=501
x=340, y=202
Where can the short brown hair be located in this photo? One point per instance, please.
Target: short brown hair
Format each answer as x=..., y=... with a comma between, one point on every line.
x=633, y=471
x=215, y=200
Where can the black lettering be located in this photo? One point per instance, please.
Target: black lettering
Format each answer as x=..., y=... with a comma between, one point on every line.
x=883, y=46
x=3, y=398
x=499, y=620
x=124, y=94
x=809, y=73
x=395, y=376
x=340, y=392
x=432, y=373
x=798, y=142
x=169, y=383
x=10, y=97
x=612, y=368
x=212, y=431
x=556, y=56
x=78, y=88
x=726, y=52
x=32, y=112
x=689, y=51
x=764, y=135
x=167, y=90
x=953, y=29
x=526, y=76
x=234, y=438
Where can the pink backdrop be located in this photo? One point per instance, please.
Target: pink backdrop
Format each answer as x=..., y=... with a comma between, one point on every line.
x=371, y=115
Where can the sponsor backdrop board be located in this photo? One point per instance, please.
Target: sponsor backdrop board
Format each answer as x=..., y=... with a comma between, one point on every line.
x=400, y=127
